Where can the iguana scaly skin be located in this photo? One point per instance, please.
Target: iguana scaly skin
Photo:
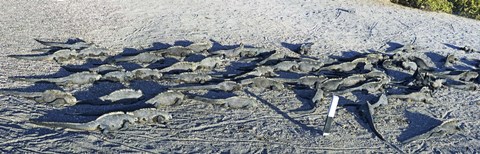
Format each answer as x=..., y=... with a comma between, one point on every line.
x=59, y=56
x=377, y=75
x=421, y=63
x=329, y=85
x=287, y=66
x=308, y=65
x=450, y=60
x=223, y=86
x=147, y=74
x=142, y=58
x=167, y=98
x=308, y=81
x=231, y=53
x=151, y=116
x=95, y=52
x=235, y=102
x=119, y=76
x=122, y=95
x=466, y=76
x=210, y=63
x=445, y=128
x=391, y=65
x=200, y=46
x=370, y=87
x=75, y=46
x=62, y=52
x=189, y=77
x=52, y=97
x=241, y=51
x=342, y=67
x=424, y=95
x=263, y=83
x=80, y=78
x=408, y=65
x=175, y=51
x=184, y=66
x=108, y=122
x=102, y=69
x=259, y=71
x=251, y=52
x=352, y=80
x=275, y=57
x=179, y=51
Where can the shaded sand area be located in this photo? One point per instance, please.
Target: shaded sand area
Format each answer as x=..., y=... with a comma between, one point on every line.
x=334, y=27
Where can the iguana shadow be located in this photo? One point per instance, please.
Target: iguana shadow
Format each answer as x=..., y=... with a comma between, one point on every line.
x=393, y=46
x=418, y=123
x=354, y=108
x=436, y=59
x=218, y=46
x=346, y=56
x=312, y=130
x=452, y=46
x=305, y=97
x=295, y=47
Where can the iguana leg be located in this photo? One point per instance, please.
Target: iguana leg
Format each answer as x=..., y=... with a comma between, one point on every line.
x=125, y=125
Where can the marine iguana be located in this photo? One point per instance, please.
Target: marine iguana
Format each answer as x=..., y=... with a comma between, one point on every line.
x=446, y=127
x=367, y=111
x=180, y=51
x=141, y=58
x=263, y=83
x=189, y=77
x=424, y=95
x=265, y=71
x=80, y=78
x=137, y=74
x=234, y=102
x=106, y=123
x=117, y=96
x=78, y=45
x=101, y=69
x=118, y=76
x=53, y=97
x=146, y=74
x=151, y=116
x=122, y=95
x=222, y=86
x=167, y=98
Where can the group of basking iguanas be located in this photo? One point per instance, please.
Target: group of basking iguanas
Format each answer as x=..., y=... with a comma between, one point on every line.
x=220, y=70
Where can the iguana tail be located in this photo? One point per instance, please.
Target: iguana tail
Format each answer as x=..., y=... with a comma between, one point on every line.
x=31, y=80
x=204, y=87
x=207, y=100
x=54, y=44
x=90, y=126
x=20, y=93
x=30, y=57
